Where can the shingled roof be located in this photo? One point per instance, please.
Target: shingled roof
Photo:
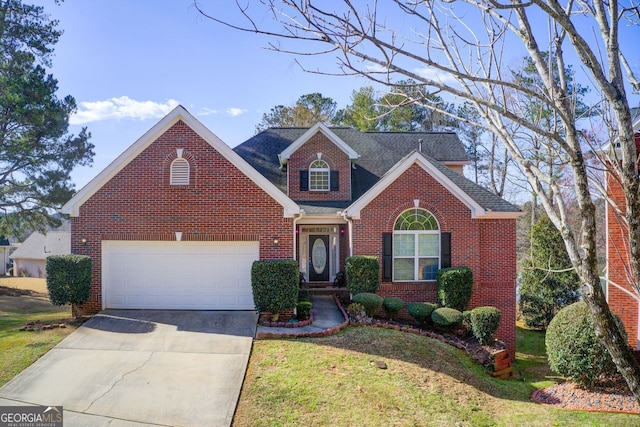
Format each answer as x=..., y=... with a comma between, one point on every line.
x=378, y=151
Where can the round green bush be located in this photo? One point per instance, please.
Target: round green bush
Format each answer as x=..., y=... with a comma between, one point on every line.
x=446, y=318
x=303, y=310
x=484, y=323
x=421, y=312
x=371, y=302
x=392, y=306
x=573, y=350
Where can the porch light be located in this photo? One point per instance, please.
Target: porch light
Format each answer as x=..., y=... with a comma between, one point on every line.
x=341, y=230
x=83, y=241
x=276, y=242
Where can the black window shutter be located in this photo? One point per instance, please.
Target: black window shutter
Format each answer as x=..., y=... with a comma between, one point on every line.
x=387, y=256
x=445, y=250
x=304, y=180
x=334, y=180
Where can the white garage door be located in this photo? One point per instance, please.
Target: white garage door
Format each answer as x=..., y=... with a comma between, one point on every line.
x=178, y=275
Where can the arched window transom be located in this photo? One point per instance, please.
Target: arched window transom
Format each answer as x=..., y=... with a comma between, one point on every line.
x=319, y=175
x=179, y=172
x=416, y=246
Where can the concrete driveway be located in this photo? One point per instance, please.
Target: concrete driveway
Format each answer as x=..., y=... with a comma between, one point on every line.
x=140, y=367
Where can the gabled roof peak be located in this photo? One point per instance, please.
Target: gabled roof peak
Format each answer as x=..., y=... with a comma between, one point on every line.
x=179, y=113
x=318, y=127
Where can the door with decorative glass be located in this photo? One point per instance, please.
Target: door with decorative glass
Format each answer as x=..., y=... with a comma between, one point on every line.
x=318, y=258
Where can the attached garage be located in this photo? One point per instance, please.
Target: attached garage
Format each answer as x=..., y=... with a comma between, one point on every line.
x=178, y=275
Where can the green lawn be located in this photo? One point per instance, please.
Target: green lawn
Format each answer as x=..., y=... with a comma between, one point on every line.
x=331, y=381
x=19, y=349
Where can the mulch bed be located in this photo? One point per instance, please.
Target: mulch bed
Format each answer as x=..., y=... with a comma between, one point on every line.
x=610, y=396
x=14, y=292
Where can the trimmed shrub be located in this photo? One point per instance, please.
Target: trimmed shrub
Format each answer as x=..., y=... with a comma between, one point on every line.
x=356, y=310
x=455, y=286
x=68, y=279
x=484, y=323
x=466, y=319
x=275, y=285
x=573, y=349
x=446, y=318
x=421, y=312
x=363, y=274
x=392, y=306
x=303, y=310
x=371, y=302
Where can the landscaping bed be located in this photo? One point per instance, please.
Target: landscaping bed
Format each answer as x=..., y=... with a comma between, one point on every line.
x=610, y=396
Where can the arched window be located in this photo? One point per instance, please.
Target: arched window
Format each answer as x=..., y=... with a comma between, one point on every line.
x=416, y=246
x=179, y=172
x=319, y=176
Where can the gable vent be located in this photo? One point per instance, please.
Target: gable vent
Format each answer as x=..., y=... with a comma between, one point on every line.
x=179, y=172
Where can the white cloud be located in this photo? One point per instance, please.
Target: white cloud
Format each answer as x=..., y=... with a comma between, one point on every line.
x=233, y=112
x=121, y=108
x=375, y=68
x=433, y=74
x=204, y=111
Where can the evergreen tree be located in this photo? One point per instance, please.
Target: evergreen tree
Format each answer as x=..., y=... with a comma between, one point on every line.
x=37, y=153
x=548, y=281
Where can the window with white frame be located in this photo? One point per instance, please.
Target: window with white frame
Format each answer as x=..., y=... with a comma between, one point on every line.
x=179, y=174
x=319, y=176
x=416, y=246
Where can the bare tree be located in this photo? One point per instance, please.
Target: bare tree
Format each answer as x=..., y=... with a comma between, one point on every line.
x=463, y=48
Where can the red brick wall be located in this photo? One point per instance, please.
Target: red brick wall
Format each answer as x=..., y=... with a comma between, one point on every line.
x=337, y=160
x=486, y=246
x=618, y=267
x=138, y=203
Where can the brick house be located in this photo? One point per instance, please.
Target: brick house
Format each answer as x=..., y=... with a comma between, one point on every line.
x=623, y=299
x=177, y=219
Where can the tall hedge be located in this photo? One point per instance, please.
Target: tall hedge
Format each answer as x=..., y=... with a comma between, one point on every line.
x=275, y=285
x=68, y=279
x=363, y=274
x=455, y=287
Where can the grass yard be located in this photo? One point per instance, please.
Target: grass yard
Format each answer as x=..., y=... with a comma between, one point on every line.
x=19, y=349
x=330, y=381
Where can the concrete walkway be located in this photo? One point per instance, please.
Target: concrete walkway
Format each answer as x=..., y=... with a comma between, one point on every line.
x=328, y=318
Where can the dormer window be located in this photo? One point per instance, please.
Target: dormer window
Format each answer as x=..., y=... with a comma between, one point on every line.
x=179, y=172
x=319, y=176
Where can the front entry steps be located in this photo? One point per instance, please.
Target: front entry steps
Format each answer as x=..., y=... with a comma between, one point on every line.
x=325, y=288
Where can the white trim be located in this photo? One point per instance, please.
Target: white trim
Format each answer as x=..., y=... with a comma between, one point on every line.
x=321, y=219
x=72, y=207
x=401, y=167
x=501, y=215
x=456, y=163
x=318, y=127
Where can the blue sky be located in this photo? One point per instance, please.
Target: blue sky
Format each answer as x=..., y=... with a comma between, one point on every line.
x=128, y=63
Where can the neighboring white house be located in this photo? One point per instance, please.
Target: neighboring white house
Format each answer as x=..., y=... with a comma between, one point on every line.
x=30, y=258
x=5, y=251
